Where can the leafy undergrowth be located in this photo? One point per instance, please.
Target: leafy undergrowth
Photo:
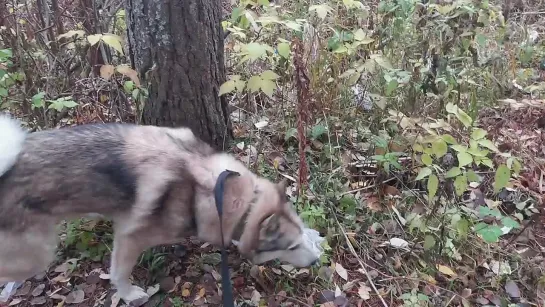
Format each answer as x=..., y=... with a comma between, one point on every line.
x=411, y=133
x=434, y=260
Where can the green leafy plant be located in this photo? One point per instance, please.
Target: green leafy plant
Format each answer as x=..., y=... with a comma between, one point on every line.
x=81, y=234
x=414, y=299
x=177, y=302
x=491, y=233
x=60, y=103
x=8, y=80
x=475, y=153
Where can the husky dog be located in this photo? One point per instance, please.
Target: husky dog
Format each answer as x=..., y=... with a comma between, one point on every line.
x=155, y=184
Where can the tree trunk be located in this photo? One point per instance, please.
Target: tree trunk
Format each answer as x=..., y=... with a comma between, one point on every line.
x=176, y=47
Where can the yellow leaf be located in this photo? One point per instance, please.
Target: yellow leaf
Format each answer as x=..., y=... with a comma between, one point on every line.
x=113, y=41
x=428, y=278
x=201, y=293
x=446, y=270
x=106, y=71
x=129, y=72
x=186, y=292
x=94, y=39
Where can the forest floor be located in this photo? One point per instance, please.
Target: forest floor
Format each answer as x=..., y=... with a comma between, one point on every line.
x=387, y=243
x=189, y=274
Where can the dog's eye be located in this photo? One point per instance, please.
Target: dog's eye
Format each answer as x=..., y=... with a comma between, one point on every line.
x=294, y=247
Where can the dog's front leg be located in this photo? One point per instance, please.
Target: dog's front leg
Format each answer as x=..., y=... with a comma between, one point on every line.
x=125, y=254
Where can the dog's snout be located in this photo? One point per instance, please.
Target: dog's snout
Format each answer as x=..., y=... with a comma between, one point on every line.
x=315, y=262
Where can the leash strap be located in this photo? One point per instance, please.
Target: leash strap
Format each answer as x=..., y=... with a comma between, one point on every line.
x=228, y=298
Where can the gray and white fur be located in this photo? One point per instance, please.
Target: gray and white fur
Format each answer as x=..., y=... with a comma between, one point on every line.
x=155, y=183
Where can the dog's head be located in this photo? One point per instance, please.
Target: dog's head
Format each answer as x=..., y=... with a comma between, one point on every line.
x=273, y=229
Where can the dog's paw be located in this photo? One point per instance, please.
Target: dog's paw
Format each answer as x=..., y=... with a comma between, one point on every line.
x=135, y=297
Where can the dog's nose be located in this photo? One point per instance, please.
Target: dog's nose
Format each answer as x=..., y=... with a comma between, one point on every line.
x=315, y=262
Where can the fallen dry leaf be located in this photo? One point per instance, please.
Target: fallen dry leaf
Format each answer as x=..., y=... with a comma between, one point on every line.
x=129, y=72
x=428, y=278
x=61, y=278
x=341, y=271
x=373, y=203
x=106, y=71
x=338, y=291
x=24, y=289
x=104, y=276
x=66, y=266
x=349, y=285
x=398, y=243
x=38, y=290
x=364, y=291
x=481, y=300
x=325, y=272
x=216, y=275
x=262, y=124
x=500, y=268
x=288, y=268
x=391, y=190
x=512, y=289
x=446, y=270
x=15, y=302
x=341, y=301
x=40, y=300
x=151, y=291
x=75, y=297
x=201, y=294
x=326, y=296
x=57, y=297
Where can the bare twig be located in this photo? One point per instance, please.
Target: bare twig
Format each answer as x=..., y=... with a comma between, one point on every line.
x=360, y=261
x=291, y=298
x=302, y=84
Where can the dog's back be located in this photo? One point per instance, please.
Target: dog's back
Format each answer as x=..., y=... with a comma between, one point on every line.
x=105, y=169
x=74, y=170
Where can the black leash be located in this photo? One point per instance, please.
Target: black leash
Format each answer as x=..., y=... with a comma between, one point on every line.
x=228, y=298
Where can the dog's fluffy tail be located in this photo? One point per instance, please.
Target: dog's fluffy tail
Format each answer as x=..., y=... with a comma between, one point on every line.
x=12, y=137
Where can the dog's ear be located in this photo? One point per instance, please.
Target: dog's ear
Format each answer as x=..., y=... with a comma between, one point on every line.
x=252, y=232
x=269, y=225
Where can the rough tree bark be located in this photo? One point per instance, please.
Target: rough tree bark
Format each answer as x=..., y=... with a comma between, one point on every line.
x=176, y=47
